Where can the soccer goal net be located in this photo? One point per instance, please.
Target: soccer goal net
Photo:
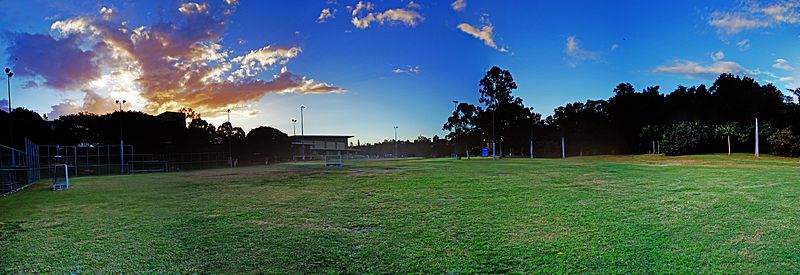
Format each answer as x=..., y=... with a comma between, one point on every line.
x=334, y=160
x=147, y=166
x=60, y=177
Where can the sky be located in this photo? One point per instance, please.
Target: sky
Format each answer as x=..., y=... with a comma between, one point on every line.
x=363, y=67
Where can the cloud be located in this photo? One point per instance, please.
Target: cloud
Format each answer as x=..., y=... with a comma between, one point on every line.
x=326, y=14
x=691, y=68
x=484, y=33
x=782, y=64
x=255, y=61
x=391, y=16
x=735, y=23
x=614, y=47
x=191, y=8
x=459, y=5
x=61, y=63
x=743, y=44
x=576, y=54
x=410, y=70
x=4, y=105
x=107, y=13
x=754, y=16
x=413, y=5
x=30, y=84
x=717, y=56
x=158, y=67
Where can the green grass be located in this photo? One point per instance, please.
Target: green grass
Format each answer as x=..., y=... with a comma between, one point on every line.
x=616, y=214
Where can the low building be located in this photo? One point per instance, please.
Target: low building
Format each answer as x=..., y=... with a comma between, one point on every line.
x=319, y=146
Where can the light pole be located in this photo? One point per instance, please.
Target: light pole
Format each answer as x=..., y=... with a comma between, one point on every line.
x=121, y=143
x=302, y=133
x=756, y=133
x=10, y=118
x=532, y=124
x=494, y=152
x=395, y=141
x=230, y=136
x=458, y=123
x=294, y=127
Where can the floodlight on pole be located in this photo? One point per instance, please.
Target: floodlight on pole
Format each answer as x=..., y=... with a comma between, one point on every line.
x=10, y=118
x=395, y=141
x=121, y=142
x=302, y=133
x=294, y=127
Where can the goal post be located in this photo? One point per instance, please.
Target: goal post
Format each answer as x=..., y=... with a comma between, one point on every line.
x=60, y=177
x=334, y=160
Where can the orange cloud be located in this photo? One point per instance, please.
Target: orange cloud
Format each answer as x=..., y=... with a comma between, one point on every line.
x=163, y=66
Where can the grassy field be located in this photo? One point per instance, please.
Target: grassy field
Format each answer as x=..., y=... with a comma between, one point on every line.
x=626, y=214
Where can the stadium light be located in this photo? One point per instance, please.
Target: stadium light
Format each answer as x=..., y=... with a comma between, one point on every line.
x=121, y=142
x=294, y=127
x=302, y=133
x=395, y=141
x=10, y=119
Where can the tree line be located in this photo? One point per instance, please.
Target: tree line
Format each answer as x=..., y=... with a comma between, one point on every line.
x=167, y=133
x=687, y=120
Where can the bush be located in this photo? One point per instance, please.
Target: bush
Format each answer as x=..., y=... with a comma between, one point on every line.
x=783, y=142
x=685, y=138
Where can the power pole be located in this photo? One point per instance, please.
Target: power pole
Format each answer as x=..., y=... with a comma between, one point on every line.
x=563, y=152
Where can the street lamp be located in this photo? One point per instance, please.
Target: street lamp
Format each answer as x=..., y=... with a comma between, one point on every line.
x=121, y=143
x=294, y=127
x=395, y=141
x=302, y=133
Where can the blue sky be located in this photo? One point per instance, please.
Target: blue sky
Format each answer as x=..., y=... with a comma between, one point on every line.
x=363, y=70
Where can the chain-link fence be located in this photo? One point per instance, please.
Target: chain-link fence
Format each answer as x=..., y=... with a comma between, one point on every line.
x=18, y=168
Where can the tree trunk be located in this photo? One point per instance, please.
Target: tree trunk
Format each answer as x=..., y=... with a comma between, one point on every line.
x=729, y=145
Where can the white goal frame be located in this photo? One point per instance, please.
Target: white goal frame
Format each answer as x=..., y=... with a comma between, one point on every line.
x=60, y=185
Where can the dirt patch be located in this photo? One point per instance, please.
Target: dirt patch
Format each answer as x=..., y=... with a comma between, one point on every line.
x=748, y=238
x=746, y=196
